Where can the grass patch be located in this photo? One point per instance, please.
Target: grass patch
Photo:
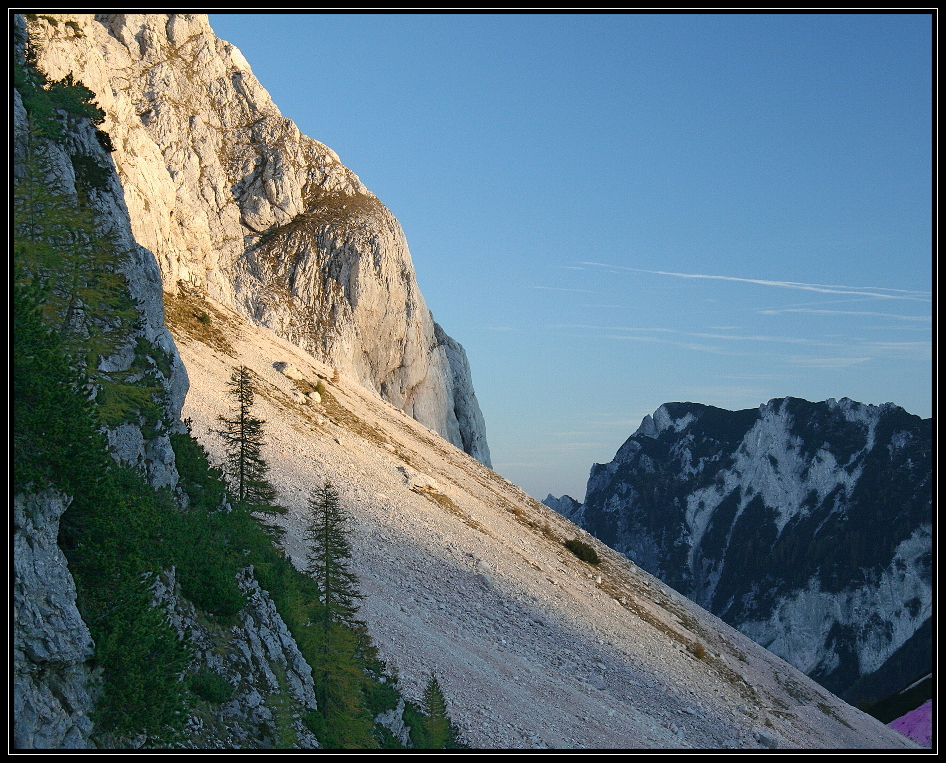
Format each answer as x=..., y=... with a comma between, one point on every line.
x=211, y=686
x=833, y=713
x=447, y=504
x=281, y=705
x=190, y=316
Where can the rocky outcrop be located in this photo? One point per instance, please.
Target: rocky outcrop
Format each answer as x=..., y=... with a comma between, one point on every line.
x=236, y=203
x=150, y=342
x=272, y=683
x=567, y=506
x=805, y=525
x=52, y=648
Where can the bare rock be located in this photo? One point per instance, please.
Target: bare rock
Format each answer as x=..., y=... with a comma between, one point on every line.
x=236, y=203
x=52, y=646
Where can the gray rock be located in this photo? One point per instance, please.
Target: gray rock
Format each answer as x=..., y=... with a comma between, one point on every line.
x=289, y=371
x=51, y=644
x=258, y=648
x=237, y=204
x=393, y=721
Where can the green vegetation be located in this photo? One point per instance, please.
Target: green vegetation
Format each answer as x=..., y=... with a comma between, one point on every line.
x=439, y=731
x=583, y=551
x=72, y=309
x=72, y=269
x=242, y=434
x=211, y=686
x=335, y=667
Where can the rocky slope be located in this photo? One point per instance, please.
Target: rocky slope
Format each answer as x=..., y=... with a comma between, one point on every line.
x=237, y=204
x=467, y=576
x=464, y=574
x=805, y=525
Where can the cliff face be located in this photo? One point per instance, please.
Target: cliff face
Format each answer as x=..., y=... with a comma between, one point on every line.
x=431, y=526
x=237, y=204
x=55, y=679
x=805, y=525
x=52, y=648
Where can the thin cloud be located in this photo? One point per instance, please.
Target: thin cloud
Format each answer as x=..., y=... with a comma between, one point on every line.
x=559, y=288
x=922, y=349
x=808, y=362
x=640, y=335
x=924, y=318
x=878, y=292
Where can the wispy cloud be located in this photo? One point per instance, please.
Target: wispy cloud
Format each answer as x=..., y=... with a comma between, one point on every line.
x=922, y=318
x=878, y=292
x=639, y=334
x=559, y=288
x=810, y=362
x=908, y=349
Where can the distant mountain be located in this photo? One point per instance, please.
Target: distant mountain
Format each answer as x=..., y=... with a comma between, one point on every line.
x=149, y=610
x=807, y=526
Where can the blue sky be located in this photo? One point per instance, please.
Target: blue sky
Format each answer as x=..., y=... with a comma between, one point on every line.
x=611, y=212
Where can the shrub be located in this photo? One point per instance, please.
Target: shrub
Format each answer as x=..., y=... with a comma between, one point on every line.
x=211, y=686
x=698, y=650
x=583, y=551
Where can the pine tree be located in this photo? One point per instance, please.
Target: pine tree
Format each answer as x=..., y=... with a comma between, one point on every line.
x=54, y=425
x=337, y=667
x=439, y=731
x=243, y=434
x=329, y=558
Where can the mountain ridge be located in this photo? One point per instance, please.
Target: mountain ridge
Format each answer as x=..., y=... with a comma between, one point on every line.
x=463, y=572
x=762, y=515
x=235, y=203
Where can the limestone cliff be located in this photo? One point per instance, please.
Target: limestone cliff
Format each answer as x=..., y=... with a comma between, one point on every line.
x=237, y=204
x=56, y=669
x=807, y=526
x=52, y=648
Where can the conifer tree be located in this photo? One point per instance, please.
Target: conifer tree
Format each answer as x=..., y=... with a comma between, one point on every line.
x=243, y=434
x=329, y=558
x=337, y=668
x=439, y=731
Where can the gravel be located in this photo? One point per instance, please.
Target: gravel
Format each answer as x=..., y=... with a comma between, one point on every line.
x=466, y=576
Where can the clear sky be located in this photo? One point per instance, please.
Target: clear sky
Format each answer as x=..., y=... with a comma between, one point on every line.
x=611, y=212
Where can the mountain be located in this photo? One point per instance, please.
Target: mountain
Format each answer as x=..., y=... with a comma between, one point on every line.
x=236, y=204
x=807, y=526
x=464, y=575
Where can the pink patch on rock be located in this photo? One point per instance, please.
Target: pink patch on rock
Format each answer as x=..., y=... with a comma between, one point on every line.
x=917, y=724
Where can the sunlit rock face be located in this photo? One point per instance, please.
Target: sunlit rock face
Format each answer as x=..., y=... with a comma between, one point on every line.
x=805, y=525
x=236, y=204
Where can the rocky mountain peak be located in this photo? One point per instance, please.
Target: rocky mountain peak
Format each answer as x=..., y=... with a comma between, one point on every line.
x=238, y=206
x=791, y=518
